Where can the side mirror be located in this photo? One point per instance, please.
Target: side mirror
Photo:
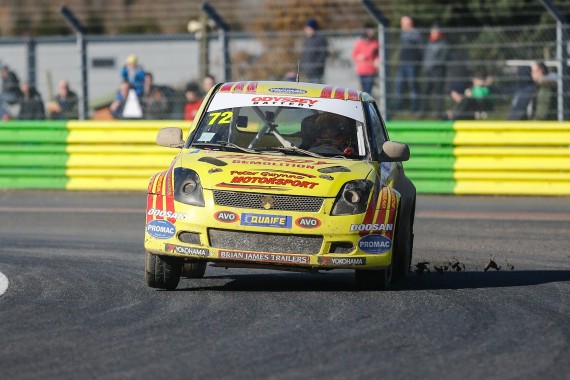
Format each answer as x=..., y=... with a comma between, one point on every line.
x=395, y=151
x=170, y=137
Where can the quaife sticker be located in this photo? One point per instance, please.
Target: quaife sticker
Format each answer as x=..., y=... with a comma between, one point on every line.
x=161, y=229
x=374, y=244
x=263, y=220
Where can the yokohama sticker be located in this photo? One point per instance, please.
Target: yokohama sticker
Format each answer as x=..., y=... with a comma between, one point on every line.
x=203, y=252
x=161, y=229
x=264, y=257
x=374, y=244
x=342, y=260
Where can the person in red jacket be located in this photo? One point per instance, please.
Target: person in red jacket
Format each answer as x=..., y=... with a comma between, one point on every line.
x=193, y=101
x=366, y=57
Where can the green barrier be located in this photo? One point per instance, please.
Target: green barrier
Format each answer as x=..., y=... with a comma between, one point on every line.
x=431, y=153
x=32, y=154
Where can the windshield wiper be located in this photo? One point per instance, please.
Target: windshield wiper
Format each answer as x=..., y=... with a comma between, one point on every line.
x=227, y=144
x=291, y=149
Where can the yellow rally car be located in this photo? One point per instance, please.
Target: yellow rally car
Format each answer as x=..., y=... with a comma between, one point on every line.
x=282, y=175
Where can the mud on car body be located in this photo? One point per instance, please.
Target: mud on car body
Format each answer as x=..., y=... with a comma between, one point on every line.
x=281, y=175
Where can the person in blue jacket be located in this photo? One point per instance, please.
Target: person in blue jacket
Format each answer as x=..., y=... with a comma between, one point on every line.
x=133, y=74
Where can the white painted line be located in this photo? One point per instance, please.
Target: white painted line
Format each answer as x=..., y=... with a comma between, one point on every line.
x=3, y=283
x=84, y=210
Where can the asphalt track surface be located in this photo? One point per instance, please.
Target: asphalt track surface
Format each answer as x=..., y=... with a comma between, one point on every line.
x=77, y=306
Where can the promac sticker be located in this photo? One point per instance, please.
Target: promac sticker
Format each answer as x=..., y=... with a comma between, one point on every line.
x=374, y=244
x=161, y=229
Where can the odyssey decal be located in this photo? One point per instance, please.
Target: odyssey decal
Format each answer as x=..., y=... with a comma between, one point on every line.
x=288, y=90
x=374, y=244
x=226, y=216
x=161, y=229
x=167, y=214
x=307, y=222
x=372, y=227
x=186, y=250
x=261, y=220
x=342, y=260
x=264, y=257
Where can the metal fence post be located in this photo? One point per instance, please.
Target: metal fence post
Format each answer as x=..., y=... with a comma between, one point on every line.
x=224, y=28
x=561, y=54
x=31, y=45
x=82, y=47
x=383, y=52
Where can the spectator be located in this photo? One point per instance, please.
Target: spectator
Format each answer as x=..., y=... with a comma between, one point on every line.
x=207, y=83
x=544, y=102
x=410, y=57
x=133, y=74
x=31, y=104
x=523, y=95
x=365, y=55
x=434, y=72
x=314, y=52
x=154, y=102
x=193, y=101
x=476, y=102
x=4, y=114
x=118, y=105
x=65, y=105
x=290, y=76
x=11, y=92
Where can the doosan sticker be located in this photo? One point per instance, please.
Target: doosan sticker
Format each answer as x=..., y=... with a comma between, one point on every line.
x=161, y=229
x=167, y=214
x=226, y=216
x=307, y=222
x=374, y=244
x=372, y=227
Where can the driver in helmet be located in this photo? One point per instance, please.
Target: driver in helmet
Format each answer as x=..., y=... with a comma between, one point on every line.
x=330, y=138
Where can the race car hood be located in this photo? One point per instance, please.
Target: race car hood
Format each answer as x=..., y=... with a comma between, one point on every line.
x=292, y=175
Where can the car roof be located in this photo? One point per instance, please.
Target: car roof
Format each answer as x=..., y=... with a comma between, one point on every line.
x=295, y=89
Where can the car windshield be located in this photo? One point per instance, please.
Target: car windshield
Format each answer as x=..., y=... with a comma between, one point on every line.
x=289, y=127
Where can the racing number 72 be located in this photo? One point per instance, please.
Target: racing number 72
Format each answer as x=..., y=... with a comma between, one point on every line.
x=225, y=117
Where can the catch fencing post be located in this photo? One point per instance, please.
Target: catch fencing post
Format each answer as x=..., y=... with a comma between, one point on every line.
x=31, y=54
x=383, y=52
x=561, y=54
x=82, y=47
x=223, y=28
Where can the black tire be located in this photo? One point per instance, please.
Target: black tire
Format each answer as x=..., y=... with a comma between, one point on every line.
x=403, y=246
x=163, y=272
x=194, y=269
x=373, y=279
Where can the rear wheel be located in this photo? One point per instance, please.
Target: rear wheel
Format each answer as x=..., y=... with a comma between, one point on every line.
x=373, y=279
x=163, y=272
x=194, y=269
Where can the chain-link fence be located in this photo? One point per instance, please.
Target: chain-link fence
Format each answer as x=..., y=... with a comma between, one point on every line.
x=497, y=60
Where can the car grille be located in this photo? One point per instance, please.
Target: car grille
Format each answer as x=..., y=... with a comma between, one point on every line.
x=257, y=201
x=265, y=242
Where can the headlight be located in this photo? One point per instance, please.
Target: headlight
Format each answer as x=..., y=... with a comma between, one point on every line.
x=187, y=187
x=352, y=198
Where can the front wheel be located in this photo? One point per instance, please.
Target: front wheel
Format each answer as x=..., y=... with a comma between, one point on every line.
x=163, y=272
x=373, y=279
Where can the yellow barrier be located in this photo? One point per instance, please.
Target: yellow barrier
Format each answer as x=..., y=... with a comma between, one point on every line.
x=512, y=158
x=116, y=155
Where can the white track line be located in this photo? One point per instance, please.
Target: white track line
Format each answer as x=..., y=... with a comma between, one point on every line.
x=3, y=283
